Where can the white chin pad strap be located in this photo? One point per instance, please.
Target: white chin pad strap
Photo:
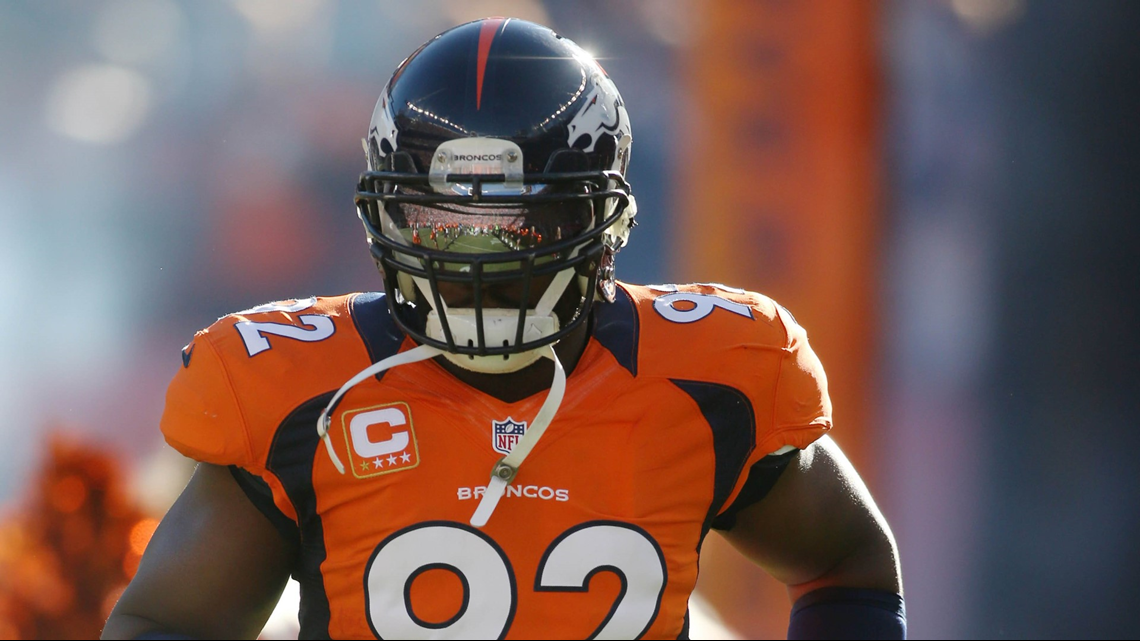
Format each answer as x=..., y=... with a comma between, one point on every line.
x=423, y=352
x=500, y=326
x=507, y=467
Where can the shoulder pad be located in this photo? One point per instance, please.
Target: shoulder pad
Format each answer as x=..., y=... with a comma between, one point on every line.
x=240, y=377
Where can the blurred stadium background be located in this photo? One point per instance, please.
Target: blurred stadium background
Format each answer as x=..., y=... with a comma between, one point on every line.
x=946, y=193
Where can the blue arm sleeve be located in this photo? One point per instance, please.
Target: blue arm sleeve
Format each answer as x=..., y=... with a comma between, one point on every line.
x=848, y=613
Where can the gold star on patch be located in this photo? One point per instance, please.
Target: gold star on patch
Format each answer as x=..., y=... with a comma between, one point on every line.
x=364, y=465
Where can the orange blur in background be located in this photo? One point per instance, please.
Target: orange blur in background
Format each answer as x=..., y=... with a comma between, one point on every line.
x=70, y=547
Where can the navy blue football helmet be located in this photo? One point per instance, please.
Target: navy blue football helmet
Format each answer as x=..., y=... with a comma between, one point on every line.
x=496, y=163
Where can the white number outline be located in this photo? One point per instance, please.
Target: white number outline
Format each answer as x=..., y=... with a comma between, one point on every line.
x=542, y=583
x=703, y=305
x=299, y=305
x=614, y=631
x=315, y=327
x=432, y=628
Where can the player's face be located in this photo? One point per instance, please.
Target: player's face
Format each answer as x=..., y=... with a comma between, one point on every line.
x=503, y=295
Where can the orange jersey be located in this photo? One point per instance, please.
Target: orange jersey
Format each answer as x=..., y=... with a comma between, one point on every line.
x=679, y=392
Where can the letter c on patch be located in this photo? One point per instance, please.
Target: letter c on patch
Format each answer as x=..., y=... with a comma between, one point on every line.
x=364, y=446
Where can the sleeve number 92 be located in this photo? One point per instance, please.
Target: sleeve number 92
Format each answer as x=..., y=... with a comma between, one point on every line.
x=490, y=588
x=313, y=328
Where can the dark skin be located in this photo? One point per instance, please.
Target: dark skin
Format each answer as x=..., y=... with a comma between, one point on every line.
x=216, y=567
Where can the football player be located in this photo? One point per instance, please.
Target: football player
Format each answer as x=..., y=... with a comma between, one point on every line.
x=509, y=442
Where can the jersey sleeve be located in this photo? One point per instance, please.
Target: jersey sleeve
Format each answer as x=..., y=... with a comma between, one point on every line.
x=202, y=418
x=802, y=411
x=801, y=414
x=747, y=365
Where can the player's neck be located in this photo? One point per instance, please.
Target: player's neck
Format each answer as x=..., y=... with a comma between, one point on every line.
x=515, y=386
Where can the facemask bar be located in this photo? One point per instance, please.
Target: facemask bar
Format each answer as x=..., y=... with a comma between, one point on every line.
x=582, y=254
x=544, y=306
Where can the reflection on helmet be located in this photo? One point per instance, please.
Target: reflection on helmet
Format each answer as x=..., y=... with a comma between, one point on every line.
x=474, y=229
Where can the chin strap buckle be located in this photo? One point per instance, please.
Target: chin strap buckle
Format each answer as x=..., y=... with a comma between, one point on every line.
x=504, y=471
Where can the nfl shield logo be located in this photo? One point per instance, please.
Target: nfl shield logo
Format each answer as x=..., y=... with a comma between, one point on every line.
x=506, y=433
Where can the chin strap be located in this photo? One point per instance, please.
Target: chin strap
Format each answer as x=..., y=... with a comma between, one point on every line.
x=414, y=355
x=508, y=467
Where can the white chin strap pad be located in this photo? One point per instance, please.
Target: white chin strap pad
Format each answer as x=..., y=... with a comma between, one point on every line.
x=499, y=327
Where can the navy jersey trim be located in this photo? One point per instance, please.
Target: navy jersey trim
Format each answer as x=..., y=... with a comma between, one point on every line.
x=762, y=476
x=617, y=328
x=291, y=459
x=374, y=323
x=729, y=415
x=259, y=493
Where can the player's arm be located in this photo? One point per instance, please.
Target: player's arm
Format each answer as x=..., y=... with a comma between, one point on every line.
x=215, y=567
x=819, y=532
